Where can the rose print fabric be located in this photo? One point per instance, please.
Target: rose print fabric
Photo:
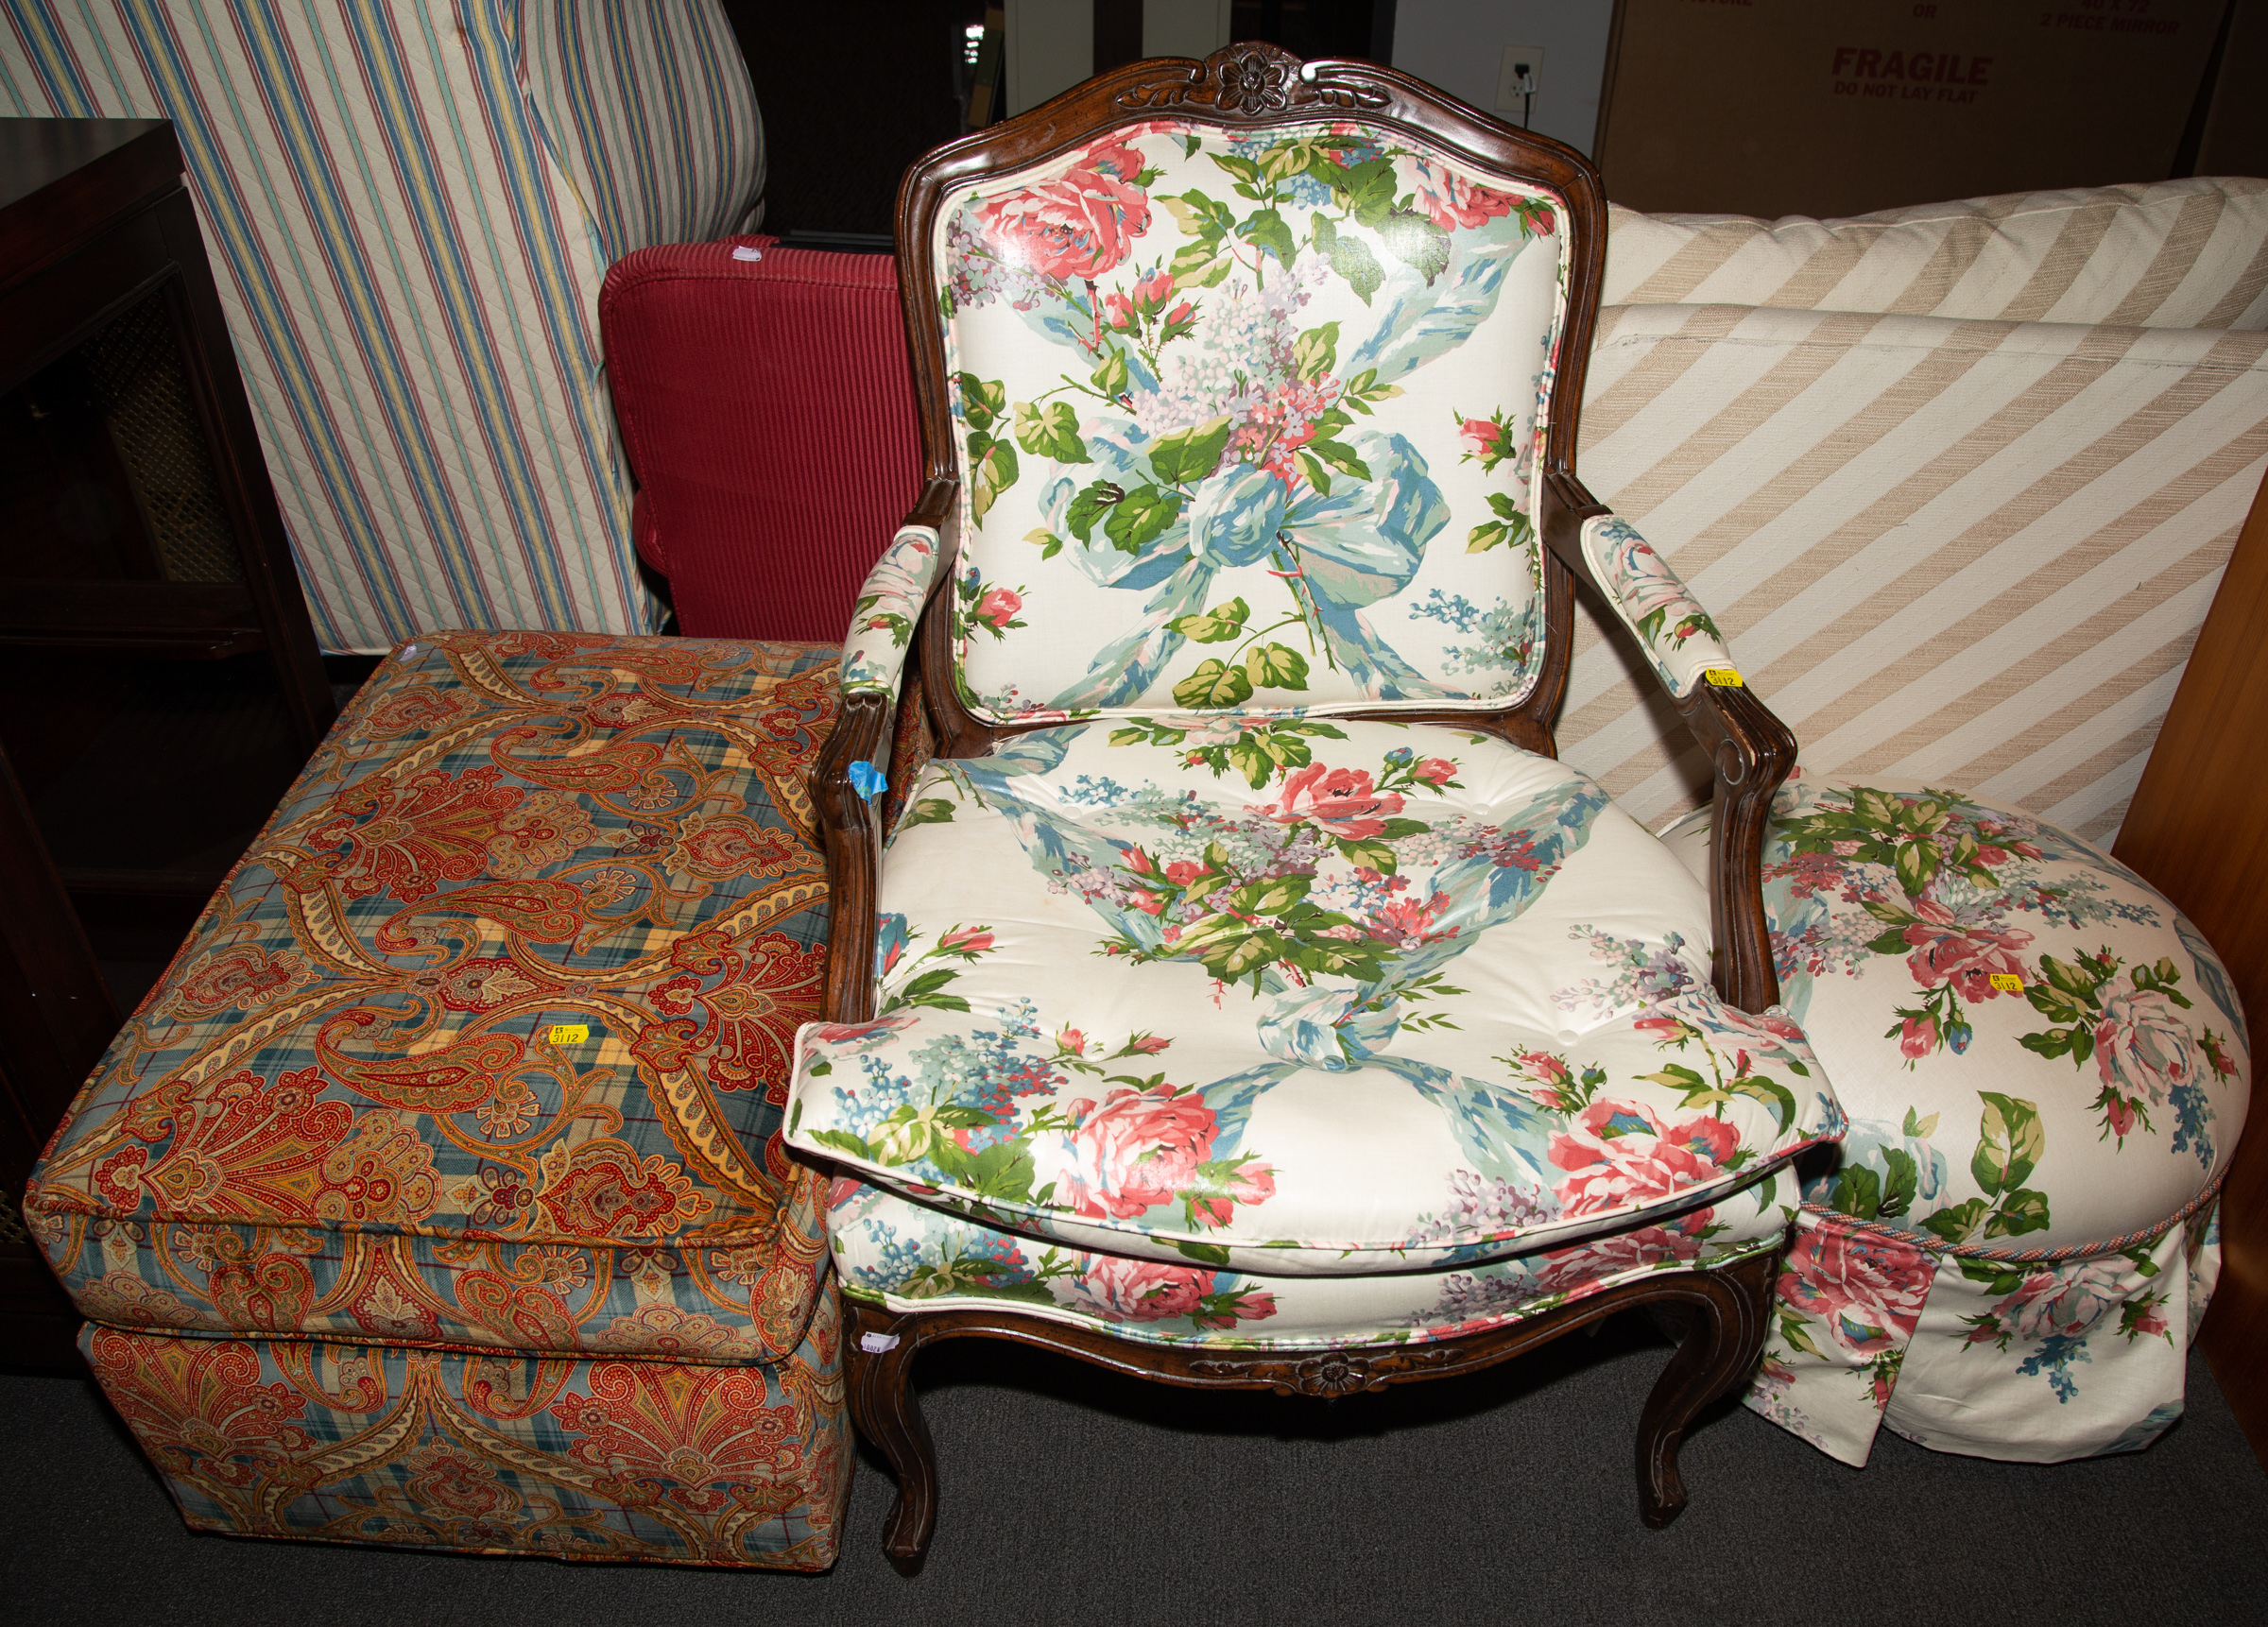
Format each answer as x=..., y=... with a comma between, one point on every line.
x=1297, y=999
x=913, y=1256
x=1204, y=1008
x=1247, y=419
x=2046, y=1068
x=1676, y=632
x=882, y=622
x=2028, y=1361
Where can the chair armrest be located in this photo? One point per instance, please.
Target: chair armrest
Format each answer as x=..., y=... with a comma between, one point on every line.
x=847, y=781
x=893, y=595
x=851, y=824
x=1751, y=752
x=1661, y=613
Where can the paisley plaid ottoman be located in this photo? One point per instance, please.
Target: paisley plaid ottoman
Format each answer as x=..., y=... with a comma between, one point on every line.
x=435, y=1196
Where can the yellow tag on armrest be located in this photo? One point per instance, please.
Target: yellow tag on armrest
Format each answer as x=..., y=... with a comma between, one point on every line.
x=1724, y=678
x=2008, y=980
x=570, y=1033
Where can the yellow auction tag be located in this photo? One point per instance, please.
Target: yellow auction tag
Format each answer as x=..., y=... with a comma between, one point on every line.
x=570, y=1033
x=1724, y=678
x=2008, y=980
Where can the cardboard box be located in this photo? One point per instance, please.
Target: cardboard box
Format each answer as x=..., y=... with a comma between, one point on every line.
x=1840, y=107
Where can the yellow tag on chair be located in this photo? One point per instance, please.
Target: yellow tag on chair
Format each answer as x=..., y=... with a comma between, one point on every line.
x=1724, y=678
x=2008, y=982
x=570, y=1033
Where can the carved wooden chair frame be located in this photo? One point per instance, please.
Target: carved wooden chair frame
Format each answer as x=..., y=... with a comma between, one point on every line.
x=1720, y=1313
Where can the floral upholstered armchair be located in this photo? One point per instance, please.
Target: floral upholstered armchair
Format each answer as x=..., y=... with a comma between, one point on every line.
x=1245, y=996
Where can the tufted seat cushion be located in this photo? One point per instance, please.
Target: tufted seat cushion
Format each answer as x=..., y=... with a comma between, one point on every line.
x=921, y=1257
x=1152, y=1000
x=2046, y=1070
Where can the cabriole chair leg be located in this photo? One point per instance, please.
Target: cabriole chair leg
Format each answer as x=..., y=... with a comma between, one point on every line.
x=883, y=1406
x=1719, y=1315
x=1725, y=1313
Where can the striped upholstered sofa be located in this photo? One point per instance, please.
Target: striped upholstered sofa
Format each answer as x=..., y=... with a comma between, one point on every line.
x=409, y=209
x=1958, y=481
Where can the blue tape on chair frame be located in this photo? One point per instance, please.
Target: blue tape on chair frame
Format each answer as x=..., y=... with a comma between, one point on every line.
x=869, y=780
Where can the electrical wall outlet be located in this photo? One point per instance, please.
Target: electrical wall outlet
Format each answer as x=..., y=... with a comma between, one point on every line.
x=1510, y=97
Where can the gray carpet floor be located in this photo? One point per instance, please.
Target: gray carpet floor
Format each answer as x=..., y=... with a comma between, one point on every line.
x=1074, y=1496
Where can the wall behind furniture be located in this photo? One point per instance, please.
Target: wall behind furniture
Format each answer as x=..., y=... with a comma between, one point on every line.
x=2233, y=134
x=1050, y=48
x=835, y=158
x=1458, y=44
x=1054, y=44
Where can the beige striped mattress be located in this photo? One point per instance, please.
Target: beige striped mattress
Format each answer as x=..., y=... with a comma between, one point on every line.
x=1969, y=551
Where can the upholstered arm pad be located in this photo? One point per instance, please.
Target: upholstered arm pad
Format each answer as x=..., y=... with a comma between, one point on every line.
x=1672, y=629
x=881, y=623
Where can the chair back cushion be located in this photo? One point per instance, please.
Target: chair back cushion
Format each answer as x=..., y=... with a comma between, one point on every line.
x=1247, y=419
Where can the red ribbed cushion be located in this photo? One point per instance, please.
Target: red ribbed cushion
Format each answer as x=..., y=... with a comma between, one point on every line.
x=767, y=409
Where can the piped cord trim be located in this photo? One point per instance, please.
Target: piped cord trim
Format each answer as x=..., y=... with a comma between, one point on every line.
x=1938, y=1246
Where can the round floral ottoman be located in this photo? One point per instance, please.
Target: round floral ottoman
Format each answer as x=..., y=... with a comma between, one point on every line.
x=2046, y=1072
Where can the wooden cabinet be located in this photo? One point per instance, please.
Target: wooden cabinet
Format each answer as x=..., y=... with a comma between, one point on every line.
x=159, y=683
x=2198, y=830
